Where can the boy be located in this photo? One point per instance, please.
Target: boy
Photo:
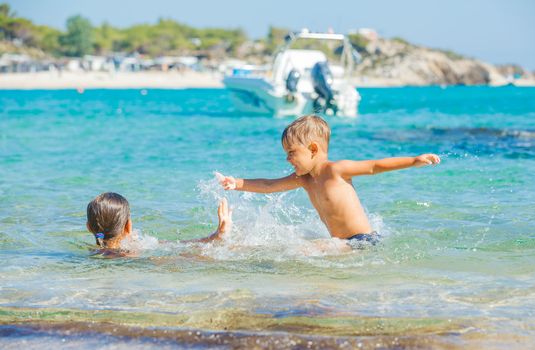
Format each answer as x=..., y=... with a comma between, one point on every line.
x=327, y=183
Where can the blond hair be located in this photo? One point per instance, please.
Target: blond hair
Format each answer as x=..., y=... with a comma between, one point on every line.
x=305, y=130
x=107, y=216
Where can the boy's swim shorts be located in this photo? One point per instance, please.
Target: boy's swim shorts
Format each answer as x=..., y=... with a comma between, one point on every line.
x=361, y=240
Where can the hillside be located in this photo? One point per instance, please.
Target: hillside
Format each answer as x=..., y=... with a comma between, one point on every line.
x=398, y=62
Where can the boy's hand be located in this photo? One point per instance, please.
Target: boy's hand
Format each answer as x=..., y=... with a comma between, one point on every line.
x=228, y=182
x=426, y=159
x=224, y=215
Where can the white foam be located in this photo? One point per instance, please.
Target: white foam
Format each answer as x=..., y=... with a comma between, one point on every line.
x=272, y=226
x=138, y=241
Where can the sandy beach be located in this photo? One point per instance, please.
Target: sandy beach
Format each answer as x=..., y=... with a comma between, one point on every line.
x=104, y=80
x=140, y=80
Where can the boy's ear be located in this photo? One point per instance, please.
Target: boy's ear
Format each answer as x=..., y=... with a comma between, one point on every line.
x=128, y=227
x=313, y=147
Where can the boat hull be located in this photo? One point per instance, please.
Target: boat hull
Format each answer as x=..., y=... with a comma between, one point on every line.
x=258, y=96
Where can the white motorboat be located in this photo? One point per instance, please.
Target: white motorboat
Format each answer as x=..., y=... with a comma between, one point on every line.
x=310, y=74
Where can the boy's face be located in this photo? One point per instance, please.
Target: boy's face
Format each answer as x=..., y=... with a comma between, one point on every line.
x=300, y=157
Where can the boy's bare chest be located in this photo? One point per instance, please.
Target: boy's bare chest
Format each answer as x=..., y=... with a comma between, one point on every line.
x=325, y=193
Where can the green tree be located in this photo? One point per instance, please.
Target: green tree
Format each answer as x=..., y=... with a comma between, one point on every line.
x=107, y=38
x=47, y=39
x=7, y=22
x=78, y=40
x=166, y=37
x=5, y=10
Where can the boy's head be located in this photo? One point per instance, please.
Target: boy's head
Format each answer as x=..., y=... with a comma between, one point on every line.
x=108, y=216
x=306, y=130
x=305, y=139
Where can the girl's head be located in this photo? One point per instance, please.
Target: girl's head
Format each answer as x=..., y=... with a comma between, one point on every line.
x=108, y=218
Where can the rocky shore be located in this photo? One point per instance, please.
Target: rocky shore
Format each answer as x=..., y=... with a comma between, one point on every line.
x=395, y=62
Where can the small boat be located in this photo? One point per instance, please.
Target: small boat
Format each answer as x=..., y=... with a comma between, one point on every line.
x=310, y=74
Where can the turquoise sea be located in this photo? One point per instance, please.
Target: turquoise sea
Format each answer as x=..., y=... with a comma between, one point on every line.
x=455, y=267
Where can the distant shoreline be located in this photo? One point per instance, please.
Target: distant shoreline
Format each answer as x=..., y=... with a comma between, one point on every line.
x=147, y=80
x=104, y=80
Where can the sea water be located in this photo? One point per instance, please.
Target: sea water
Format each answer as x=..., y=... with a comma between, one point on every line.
x=455, y=266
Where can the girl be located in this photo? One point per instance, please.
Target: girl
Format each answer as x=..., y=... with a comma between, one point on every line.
x=108, y=218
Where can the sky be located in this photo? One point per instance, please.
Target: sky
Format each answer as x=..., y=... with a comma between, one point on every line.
x=495, y=31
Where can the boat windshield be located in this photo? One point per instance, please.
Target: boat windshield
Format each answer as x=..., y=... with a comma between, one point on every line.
x=336, y=48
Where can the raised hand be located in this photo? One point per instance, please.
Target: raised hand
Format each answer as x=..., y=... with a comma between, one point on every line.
x=426, y=159
x=224, y=215
x=228, y=182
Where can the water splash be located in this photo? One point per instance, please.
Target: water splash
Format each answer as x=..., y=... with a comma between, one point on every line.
x=138, y=241
x=272, y=226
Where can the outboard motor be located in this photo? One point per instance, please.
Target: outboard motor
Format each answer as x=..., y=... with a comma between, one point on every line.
x=291, y=84
x=322, y=79
x=292, y=80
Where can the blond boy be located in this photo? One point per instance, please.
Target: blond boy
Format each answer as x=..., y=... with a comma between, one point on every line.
x=327, y=183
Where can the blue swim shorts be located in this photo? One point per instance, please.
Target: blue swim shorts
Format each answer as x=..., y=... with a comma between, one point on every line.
x=362, y=240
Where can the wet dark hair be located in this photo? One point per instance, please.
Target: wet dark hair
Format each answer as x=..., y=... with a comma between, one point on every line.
x=107, y=216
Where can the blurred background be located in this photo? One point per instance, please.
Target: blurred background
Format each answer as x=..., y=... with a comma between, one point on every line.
x=410, y=43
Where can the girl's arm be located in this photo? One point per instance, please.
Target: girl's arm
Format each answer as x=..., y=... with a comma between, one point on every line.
x=224, y=215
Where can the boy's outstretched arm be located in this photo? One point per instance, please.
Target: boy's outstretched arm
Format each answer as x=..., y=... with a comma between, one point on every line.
x=349, y=168
x=287, y=183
